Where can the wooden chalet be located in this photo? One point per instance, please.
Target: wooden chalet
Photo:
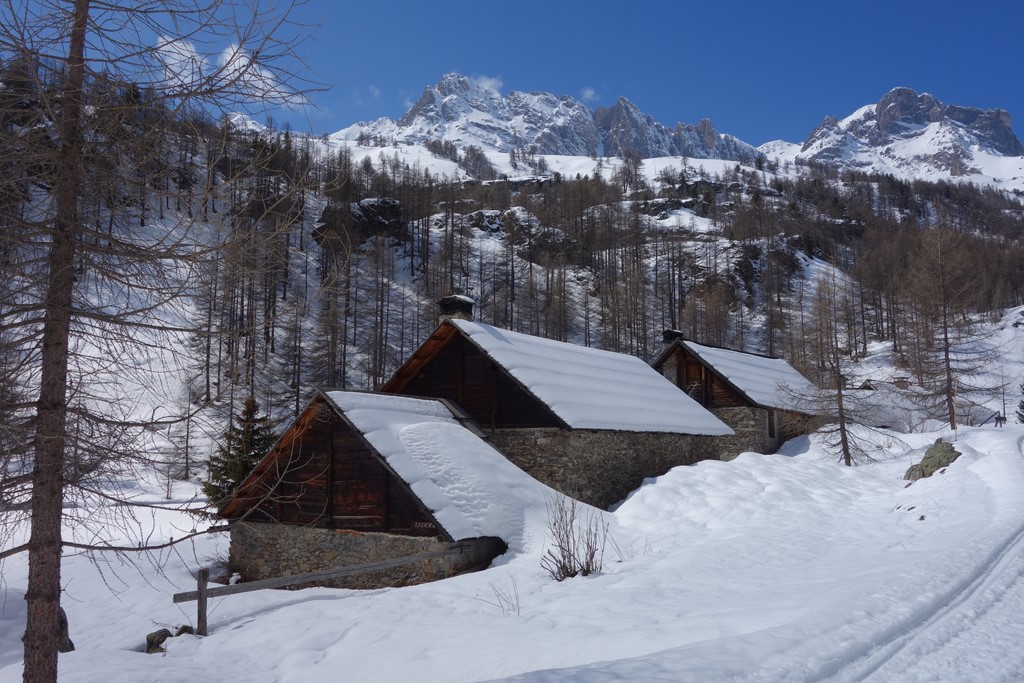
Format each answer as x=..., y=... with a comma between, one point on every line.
x=450, y=365
x=590, y=423
x=339, y=488
x=758, y=396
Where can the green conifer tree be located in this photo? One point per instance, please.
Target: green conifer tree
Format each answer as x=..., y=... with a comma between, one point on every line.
x=246, y=441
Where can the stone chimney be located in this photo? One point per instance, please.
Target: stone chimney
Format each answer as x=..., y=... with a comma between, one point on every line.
x=457, y=307
x=669, y=336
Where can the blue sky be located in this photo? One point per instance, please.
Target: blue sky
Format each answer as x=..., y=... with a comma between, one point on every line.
x=758, y=70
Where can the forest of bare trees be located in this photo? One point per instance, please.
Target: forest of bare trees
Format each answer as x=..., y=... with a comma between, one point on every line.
x=342, y=290
x=109, y=165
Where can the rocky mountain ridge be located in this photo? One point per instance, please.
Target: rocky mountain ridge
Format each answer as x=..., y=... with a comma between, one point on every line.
x=470, y=112
x=911, y=134
x=906, y=133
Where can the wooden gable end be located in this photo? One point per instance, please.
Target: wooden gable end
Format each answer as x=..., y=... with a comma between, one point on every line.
x=688, y=372
x=415, y=365
x=328, y=476
x=453, y=368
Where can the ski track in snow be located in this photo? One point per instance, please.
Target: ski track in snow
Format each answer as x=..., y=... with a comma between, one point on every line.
x=959, y=633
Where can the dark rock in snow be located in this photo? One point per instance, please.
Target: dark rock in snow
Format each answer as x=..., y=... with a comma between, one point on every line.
x=345, y=226
x=940, y=454
x=155, y=640
x=65, y=644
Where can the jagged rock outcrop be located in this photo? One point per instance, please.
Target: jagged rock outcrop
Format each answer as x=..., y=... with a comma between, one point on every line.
x=344, y=226
x=992, y=126
x=902, y=107
x=702, y=141
x=623, y=127
x=556, y=124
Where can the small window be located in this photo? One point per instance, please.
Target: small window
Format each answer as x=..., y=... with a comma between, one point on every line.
x=474, y=370
x=772, y=431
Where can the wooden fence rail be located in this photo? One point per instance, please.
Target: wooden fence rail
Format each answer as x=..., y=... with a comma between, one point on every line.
x=202, y=593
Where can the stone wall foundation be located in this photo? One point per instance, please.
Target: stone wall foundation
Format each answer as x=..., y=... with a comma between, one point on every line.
x=263, y=551
x=598, y=467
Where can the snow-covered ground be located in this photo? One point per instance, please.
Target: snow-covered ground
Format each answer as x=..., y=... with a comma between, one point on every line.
x=785, y=567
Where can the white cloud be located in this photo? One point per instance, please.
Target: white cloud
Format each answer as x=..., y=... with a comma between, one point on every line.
x=234, y=70
x=182, y=64
x=588, y=94
x=374, y=92
x=488, y=83
x=247, y=75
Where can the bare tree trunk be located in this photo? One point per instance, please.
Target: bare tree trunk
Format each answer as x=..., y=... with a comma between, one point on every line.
x=947, y=367
x=42, y=629
x=837, y=378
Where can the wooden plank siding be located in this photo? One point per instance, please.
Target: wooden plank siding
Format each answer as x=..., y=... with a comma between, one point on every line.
x=330, y=477
x=413, y=366
x=458, y=371
x=703, y=385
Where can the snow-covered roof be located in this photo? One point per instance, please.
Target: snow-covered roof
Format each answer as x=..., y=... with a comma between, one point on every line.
x=768, y=382
x=471, y=489
x=593, y=389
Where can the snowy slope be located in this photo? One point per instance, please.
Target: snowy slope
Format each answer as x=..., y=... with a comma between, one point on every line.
x=773, y=568
x=767, y=568
x=853, y=578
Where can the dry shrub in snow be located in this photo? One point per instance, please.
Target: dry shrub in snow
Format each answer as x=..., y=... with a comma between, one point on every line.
x=577, y=543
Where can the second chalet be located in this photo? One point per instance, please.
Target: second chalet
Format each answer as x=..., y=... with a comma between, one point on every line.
x=762, y=398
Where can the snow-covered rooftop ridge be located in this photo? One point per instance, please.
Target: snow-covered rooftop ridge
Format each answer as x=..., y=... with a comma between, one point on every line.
x=470, y=488
x=594, y=389
x=769, y=382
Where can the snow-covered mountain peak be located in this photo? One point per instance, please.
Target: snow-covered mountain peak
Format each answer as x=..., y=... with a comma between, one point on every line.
x=906, y=133
x=453, y=97
x=915, y=135
x=472, y=111
x=902, y=109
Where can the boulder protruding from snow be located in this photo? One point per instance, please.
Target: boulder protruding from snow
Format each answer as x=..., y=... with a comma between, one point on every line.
x=940, y=454
x=155, y=640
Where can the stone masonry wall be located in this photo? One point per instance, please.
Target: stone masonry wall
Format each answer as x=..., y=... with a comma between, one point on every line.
x=263, y=551
x=597, y=467
x=750, y=425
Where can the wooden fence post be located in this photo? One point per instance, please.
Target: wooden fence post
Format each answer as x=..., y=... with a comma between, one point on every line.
x=202, y=578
